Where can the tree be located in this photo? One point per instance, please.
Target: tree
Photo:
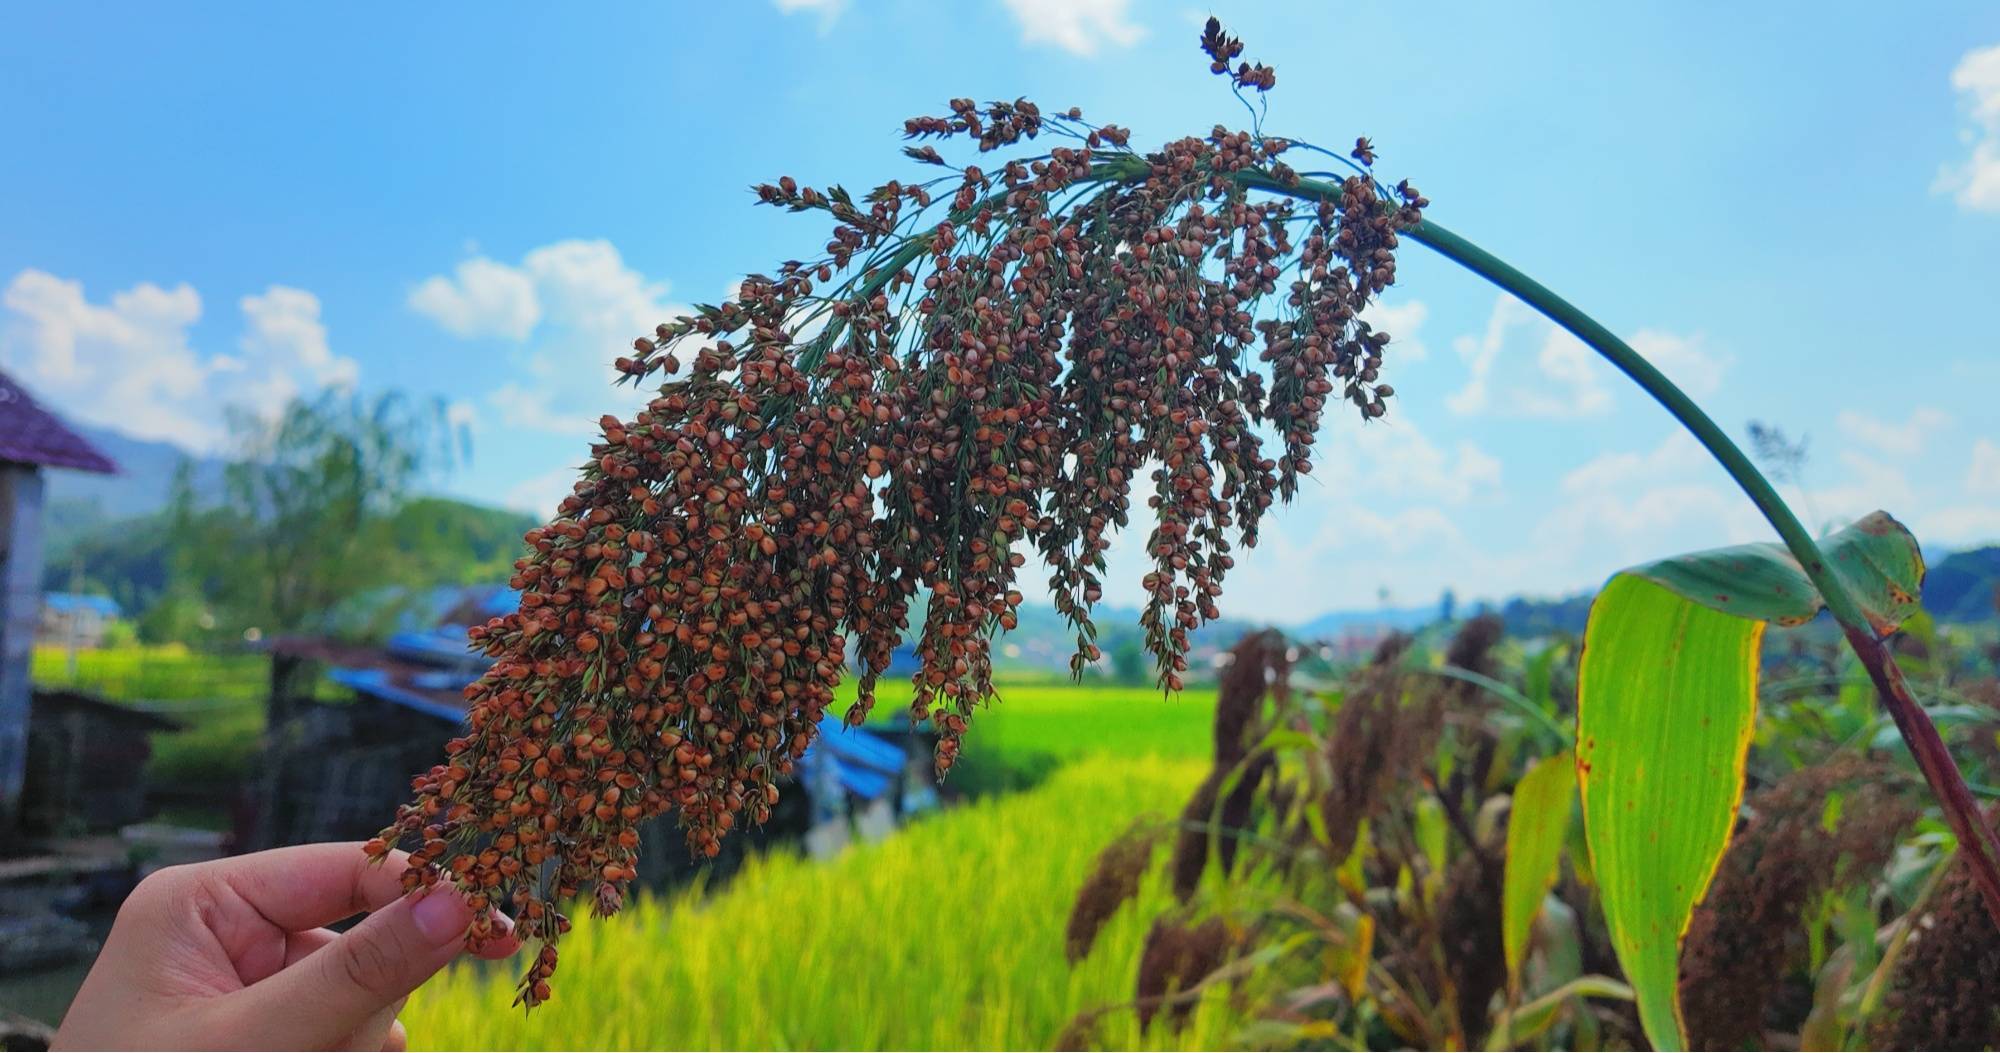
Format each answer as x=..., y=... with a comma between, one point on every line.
x=304, y=499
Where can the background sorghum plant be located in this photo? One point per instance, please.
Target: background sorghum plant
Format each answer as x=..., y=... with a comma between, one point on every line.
x=976, y=363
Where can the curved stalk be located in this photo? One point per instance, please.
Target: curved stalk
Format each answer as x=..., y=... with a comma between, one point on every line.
x=1981, y=846
x=1961, y=810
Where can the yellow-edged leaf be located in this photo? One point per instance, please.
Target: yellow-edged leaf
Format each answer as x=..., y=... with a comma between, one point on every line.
x=1537, y=825
x=1666, y=703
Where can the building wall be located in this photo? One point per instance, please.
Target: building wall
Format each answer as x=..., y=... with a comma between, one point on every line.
x=79, y=628
x=86, y=771
x=20, y=602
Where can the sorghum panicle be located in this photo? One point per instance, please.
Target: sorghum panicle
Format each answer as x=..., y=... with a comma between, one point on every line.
x=973, y=366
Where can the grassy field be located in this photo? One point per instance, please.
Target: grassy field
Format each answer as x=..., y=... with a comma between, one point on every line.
x=947, y=935
x=220, y=697
x=1038, y=724
x=163, y=673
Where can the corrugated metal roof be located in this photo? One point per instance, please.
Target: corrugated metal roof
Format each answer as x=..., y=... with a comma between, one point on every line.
x=30, y=434
x=380, y=683
x=70, y=602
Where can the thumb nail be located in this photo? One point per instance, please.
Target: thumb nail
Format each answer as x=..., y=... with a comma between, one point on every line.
x=441, y=916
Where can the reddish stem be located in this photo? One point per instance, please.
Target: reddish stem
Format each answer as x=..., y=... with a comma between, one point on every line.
x=1961, y=810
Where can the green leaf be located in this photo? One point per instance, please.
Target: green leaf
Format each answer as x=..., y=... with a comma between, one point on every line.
x=1536, y=827
x=1538, y=678
x=1432, y=834
x=1666, y=703
x=1524, y=1024
x=1875, y=557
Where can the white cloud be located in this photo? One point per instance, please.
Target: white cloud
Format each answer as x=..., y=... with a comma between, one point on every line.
x=540, y=494
x=1076, y=26
x=585, y=285
x=1975, y=184
x=1982, y=476
x=829, y=10
x=485, y=299
x=1401, y=321
x=1383, y=507
x=1960, y=525
x=1570, y=380
x=1873, y=485
x=283, y=328
x=1625, y=507
x=1906, y=439
x=1867, y=485
x=1677, y=455
x=1393, y=458
x=129, y=364
x=1639, y=523
x=575, y=306
x=534, y=408
x=1685, y=360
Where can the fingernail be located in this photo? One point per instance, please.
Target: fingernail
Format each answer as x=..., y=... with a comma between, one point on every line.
x=441, y=917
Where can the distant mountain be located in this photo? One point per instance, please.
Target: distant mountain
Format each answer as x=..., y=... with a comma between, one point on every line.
x=1536, y=616
x=1335, y=624
x=1959, y=588
x=1964, y=586
x=143, y=485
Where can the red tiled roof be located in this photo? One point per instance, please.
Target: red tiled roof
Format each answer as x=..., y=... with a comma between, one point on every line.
x=30, y=434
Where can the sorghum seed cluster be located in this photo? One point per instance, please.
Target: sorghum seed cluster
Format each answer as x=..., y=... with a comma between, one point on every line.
x=976, y=366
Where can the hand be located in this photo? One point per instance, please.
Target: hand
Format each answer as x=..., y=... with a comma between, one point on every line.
x=231, y=954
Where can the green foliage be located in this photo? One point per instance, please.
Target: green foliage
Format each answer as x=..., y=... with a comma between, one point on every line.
x=129, y=560
x=167, y=673
x=1524, y=1025
x=439, y=541
x=306, y=496
x=1875, y=558
x=1361, y=870
x=218, y=750
x=1537, y=827
x=1665, y=709
x=1036, y=722
x=218, y=697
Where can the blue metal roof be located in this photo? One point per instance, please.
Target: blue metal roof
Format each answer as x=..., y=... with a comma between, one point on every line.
x=867, y=765
x=71, y=602
x=377, y=684
x=859, y=748
x=442, y=646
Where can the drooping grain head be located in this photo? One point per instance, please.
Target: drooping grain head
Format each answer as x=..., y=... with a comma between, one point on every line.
x=971, y=367
x=1746, y=939
x=1114, y=880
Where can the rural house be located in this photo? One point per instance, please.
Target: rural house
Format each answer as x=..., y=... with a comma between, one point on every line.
x=31, y=441
x=73, y=620
x=85, y=756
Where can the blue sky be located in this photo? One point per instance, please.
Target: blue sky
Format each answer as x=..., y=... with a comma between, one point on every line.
x=1797, y=212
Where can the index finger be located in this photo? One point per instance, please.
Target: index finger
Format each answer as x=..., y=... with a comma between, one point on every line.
x=307, y=886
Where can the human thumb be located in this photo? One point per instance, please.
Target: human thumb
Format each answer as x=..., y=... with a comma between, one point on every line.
x=323, y=998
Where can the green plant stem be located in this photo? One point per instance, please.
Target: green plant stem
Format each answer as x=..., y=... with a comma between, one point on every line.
x=1947, y=783
x=1878, y=981
x=1961, y=810
x=1547, y=725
